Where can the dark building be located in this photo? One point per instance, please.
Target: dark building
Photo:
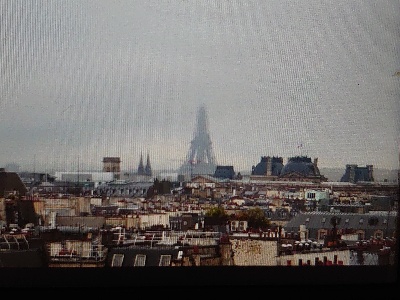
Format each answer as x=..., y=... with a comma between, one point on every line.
x=268, y=166
x=10, y=182
x=298, y=168
x=301, y=168
x=224, y=172
x=300, y=165
x=26, y=213
x=19, y=212
x=160, y=188
x=382, y=202
x=354, y=174
x=30, y=257
x=364, y=225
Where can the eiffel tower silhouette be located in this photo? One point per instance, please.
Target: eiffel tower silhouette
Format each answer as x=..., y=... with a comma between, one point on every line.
x=200, y=159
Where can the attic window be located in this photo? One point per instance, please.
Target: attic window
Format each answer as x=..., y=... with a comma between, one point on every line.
x=346, y=221
x=117, y=260
x=165, y=261
x=361, y=221
x=323, y=220
x=384, y=221
x=308, y=220
x=180, y=254
x=373, y=221
x=140, y=260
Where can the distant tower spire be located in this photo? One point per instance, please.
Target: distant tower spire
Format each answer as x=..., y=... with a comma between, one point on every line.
x=141, y=167
x=147, y=170
x=200, y=159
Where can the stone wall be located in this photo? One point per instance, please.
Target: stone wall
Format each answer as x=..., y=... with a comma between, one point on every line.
x=341, y=257
x=253, y=252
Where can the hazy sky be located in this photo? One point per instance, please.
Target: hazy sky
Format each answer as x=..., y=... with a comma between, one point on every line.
x=81, y=80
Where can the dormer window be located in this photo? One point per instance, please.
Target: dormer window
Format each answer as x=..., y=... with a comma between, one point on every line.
x=361, y=221
x=323, y=220
x=165, y=260
x=117, y=260
x=373, y=221
x=347, y=221
x=140, y=260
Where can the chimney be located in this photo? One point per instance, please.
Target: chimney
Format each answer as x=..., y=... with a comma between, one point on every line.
x=370, y=172
x=269, y=166
x=352, y=173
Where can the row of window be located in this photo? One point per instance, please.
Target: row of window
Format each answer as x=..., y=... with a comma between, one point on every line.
x=123, y=191
x=361, y=234
x=112, y=169
x=311, y=195
x=140, y=260
x=371, y=221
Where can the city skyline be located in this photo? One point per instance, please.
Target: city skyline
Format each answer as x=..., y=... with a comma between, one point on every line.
x=94, y=79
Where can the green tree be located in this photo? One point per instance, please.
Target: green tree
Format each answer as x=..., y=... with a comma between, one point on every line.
x=216, y=216
x=218, y=212
x=255, y=217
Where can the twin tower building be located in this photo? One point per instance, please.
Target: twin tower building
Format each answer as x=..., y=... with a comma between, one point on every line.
x=113, y=164
x=200, y=159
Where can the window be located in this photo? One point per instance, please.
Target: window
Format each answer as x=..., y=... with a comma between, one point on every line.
x=373, y=221
x=165, y=261
x=321, y=234
x=234, y=225
x=311, y=195
x=140, y=260
x=180, y=254
x=361, y=221
x=323, y=220
x=242, y=225
x=117, y=260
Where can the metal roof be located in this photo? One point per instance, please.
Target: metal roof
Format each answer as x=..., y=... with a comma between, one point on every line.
x=321, y=220
x=301, y=165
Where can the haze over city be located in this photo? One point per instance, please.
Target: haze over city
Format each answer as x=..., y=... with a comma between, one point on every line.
x=82, y=80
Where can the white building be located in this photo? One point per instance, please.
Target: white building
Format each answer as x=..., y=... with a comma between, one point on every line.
x=95, y=177
x=316, y=195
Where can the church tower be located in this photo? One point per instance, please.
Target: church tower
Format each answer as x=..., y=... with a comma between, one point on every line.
x=141, y=170
x=147, y=169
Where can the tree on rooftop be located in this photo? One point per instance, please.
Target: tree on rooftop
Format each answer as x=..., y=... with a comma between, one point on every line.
x=218, y=212
x=216, y=216
x=255, y=217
